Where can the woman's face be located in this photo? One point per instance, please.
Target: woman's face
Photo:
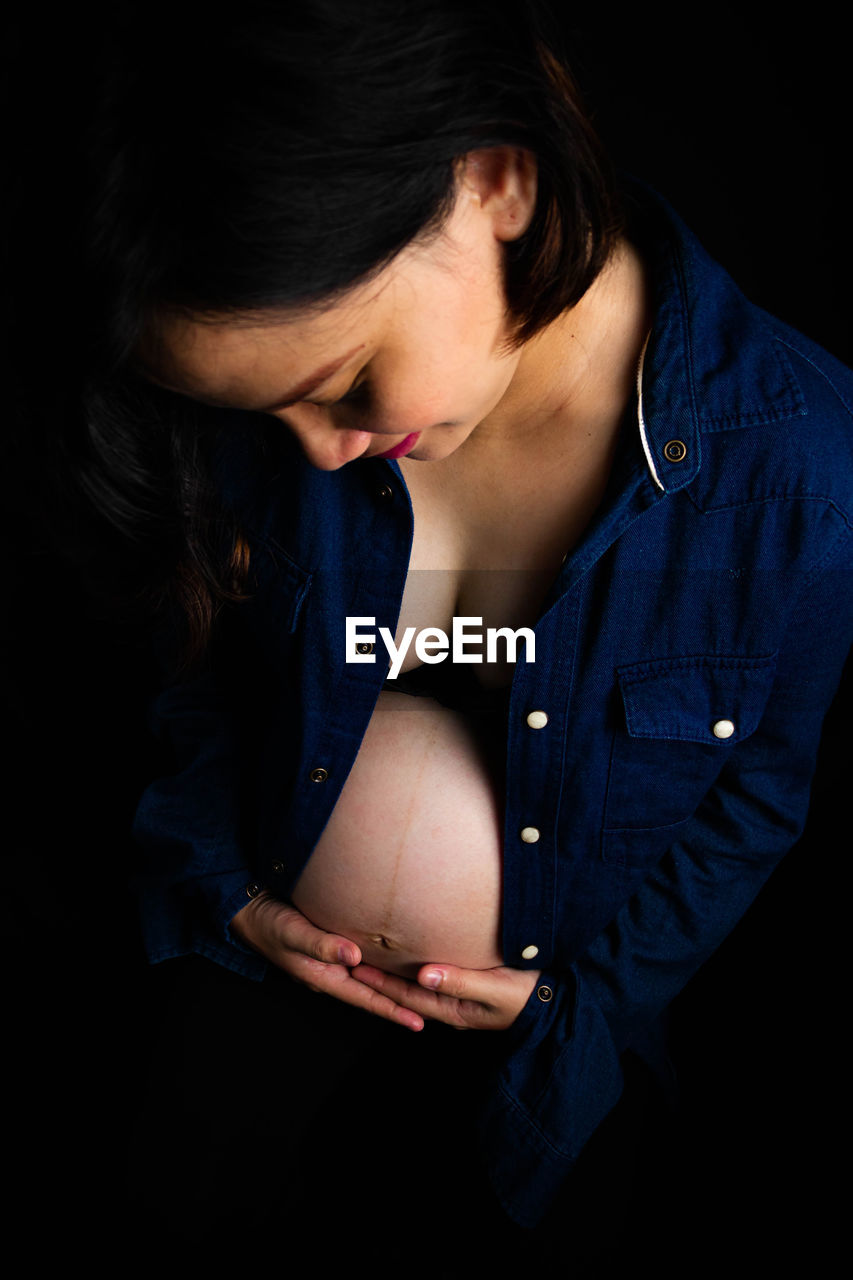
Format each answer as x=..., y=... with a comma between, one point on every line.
x=410, y=363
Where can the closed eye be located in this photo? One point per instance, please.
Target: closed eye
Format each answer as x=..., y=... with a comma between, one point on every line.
x=357, y=393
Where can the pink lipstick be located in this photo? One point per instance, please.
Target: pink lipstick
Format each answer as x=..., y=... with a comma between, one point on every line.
x=399, y=449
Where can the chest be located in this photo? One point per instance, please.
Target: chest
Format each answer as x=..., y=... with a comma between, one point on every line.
x=489, y=539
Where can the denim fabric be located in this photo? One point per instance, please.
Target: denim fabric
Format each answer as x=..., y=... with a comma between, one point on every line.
x=713, y=584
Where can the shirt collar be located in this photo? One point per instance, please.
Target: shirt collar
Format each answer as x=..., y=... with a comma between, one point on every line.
x=710, y=362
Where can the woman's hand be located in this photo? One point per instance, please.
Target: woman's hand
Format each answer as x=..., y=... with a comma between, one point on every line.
x=321, y=961
x=475, y=999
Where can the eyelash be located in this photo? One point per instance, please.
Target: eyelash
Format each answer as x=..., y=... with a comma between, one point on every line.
x=358, y=391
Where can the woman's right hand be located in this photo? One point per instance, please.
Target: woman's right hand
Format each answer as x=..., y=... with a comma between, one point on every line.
x=320, y=960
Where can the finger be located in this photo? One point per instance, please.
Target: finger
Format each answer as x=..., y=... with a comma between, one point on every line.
x=335, y=980
x=296, y=932
x=483, y=985
x=491, y=987
x=430, y=1004
x=482, y=999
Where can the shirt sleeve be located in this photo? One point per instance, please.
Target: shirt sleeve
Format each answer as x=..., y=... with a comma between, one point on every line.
x=194, y=875
x=562, y=1074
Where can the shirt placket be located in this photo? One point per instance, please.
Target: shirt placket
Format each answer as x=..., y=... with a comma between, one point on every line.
x=536, y=736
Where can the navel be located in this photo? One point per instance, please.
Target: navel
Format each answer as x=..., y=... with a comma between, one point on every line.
x=381, y=941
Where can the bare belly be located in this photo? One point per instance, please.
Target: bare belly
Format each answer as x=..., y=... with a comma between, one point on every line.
x=409, y=865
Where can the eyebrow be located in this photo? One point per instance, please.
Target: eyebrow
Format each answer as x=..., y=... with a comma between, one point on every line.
x=304, y=388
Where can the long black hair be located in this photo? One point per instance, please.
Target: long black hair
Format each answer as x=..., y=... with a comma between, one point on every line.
x=241, y=158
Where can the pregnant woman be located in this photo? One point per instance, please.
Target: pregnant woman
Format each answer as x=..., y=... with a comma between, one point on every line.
x=520, y=443
x=370, y=331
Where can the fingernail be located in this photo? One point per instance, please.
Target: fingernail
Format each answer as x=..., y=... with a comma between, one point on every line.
x=345, y=956
x=432, y=979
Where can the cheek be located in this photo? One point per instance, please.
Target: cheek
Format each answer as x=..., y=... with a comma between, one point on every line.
x=414, y=410
x=460, y=394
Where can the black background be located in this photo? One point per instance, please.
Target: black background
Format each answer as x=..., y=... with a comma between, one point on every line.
x=743, y=126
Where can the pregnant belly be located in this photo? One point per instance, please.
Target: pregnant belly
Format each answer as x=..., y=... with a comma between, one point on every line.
x=409, y=865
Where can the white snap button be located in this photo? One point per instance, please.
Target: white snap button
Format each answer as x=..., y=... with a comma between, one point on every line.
x=723, y=729
x=530, y=834
x=537, y=719
x=529, y=952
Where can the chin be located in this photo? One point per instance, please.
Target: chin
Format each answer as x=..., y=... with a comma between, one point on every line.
x=427, y=454
x=437, y=449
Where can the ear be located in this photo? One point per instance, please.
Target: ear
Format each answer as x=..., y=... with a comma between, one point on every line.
x=502, y=180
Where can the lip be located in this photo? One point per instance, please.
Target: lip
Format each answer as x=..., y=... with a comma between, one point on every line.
x=402, y=448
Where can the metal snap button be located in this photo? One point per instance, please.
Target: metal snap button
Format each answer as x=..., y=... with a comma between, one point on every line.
x=319, y=775
x=675, y=451
x=529, y=953
x=723, y=729
x=530, y=834
x=365, y=647
x=385, y=492
x=545, y=994
x=277, y=867
x=537, y=719
x=252, y=890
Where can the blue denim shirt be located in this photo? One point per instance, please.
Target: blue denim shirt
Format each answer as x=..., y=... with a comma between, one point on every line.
x=685, y=655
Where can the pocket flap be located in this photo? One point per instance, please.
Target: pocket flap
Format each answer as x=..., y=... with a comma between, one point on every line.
x=714, y=699
x=282, y=585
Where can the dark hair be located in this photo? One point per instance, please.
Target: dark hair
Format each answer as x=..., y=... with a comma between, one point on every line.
x=269, y=154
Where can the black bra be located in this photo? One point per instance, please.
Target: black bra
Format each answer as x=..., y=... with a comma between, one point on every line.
x=454, y=685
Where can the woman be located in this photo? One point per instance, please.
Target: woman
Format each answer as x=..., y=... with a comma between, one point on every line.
x=448, y=374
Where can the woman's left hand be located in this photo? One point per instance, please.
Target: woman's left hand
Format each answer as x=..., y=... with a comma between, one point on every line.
x=474, y=999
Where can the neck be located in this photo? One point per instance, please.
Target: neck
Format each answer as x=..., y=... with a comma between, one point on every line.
x=577, y=375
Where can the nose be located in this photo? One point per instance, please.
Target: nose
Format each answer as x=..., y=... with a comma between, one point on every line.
x=325, y=445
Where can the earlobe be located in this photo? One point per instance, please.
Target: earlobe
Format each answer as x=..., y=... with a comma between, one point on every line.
x=502, y=180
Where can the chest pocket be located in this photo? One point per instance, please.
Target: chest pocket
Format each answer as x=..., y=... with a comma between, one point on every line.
x=681, y=719
x=279, y=589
